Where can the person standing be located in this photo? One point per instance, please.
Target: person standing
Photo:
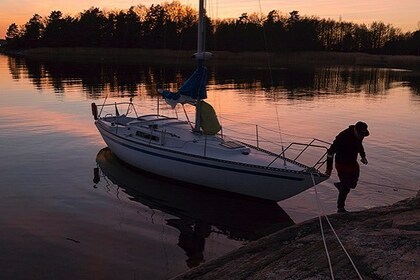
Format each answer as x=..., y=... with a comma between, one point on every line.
x=348, y=144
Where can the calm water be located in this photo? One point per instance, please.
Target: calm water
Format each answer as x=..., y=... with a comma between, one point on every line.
x=71, y=210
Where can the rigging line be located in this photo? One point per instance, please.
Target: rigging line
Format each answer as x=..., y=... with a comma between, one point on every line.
x=219, y=108
x=321, y=213
x=266, y=48
x=186, y=115
x=270, y=70
x=268, y=129
x=213, y=15
x=178, y=55
x=335, y=234
x=278, y=125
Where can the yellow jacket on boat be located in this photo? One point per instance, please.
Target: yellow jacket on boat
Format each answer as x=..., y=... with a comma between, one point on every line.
x=208, y=119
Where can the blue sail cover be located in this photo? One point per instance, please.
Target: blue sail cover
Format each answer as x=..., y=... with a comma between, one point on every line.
x=194, y=87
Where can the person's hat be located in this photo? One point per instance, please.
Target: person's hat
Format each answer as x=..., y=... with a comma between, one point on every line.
x=362, y=128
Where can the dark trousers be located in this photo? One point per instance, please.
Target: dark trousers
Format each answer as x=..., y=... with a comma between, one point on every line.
x=348, y=175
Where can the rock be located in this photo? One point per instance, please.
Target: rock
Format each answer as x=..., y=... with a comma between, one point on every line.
x=383, y=243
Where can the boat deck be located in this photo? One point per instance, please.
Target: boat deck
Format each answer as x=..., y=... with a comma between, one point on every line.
x=179, y=137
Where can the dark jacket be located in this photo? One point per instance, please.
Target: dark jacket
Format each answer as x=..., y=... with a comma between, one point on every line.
x=346, y=147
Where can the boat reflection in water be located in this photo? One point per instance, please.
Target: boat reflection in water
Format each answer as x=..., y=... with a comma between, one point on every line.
x=197, y=211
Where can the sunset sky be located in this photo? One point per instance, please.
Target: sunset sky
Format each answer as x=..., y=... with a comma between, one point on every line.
x=404, y=14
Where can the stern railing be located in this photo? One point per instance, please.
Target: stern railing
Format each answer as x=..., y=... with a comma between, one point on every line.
x=320, y=161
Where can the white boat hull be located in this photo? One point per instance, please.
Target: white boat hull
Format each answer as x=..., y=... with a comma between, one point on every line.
x=250, y=180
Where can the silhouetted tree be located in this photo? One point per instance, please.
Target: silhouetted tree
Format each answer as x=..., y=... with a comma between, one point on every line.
x=14, y=37
x=414, y=43
x=89, y=28
x=275, y=30
x=128, y=29
x=13, y=32
x=154, y=27
x=33, y=30
x=302, y=33
x=58, y=30
x=173, y=25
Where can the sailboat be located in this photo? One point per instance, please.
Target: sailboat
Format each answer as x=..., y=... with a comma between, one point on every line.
x=198, y=152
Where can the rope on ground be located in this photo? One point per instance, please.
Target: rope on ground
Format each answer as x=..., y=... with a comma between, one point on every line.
x=322, y=231
x=332, y=228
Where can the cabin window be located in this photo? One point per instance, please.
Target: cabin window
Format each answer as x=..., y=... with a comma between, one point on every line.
x=148, y=136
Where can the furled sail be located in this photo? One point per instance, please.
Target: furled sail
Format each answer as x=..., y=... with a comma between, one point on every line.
x=208, y=120
x=192, y=90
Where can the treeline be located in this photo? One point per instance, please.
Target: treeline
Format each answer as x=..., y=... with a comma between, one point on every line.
x=173, y=26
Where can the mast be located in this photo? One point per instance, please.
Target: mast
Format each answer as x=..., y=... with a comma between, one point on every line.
x=200, y=56
x=201, y=29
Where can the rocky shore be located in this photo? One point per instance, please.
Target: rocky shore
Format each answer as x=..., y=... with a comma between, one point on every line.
x=383, y=243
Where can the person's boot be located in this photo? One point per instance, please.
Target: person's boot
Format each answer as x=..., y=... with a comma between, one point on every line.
x=342, y=210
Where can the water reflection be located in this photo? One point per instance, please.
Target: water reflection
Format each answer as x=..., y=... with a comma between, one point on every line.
x=97, y=78
x=196, y=213
x=355, y=80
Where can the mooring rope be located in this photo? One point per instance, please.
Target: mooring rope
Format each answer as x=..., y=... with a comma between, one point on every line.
x=388, y=186
x=335, y=234
x=322, y=233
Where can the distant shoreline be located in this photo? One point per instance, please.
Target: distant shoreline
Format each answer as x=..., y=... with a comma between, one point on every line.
x=133, y=56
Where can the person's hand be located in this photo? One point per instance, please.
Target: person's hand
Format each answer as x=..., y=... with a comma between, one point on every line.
x=364, y=160
x=328, y=172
